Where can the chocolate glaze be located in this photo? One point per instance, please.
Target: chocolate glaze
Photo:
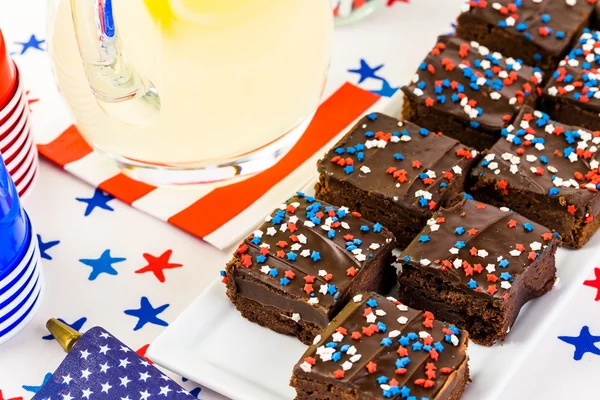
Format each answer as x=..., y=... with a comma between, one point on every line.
x=530, y=126
x=335, y=259
x=493, y=235
x=578, y=73
x=434, y=152
x=353, y=319
x=448, y=50
x=563, y=18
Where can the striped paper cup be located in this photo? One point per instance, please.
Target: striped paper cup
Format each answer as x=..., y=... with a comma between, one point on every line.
x=16, y=142
x=21, y=291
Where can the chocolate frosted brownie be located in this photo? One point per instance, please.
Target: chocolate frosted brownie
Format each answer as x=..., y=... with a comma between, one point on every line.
x=539, y=33
x=394, y=172
x=475, y=266
x=468, y=92
x=377, y=348
x=546, y=171
x=296, y=272
x=572, y=95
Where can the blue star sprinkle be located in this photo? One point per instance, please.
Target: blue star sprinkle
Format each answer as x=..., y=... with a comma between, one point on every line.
x=44, y=246
x=77, y=325
x=147, y=314
x=32, y=43
x=584, y=343
x=99, y=199
x=365, y=71
x=102, y=265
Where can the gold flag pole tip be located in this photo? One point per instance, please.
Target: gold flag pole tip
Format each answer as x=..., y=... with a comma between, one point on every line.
x=64, y=334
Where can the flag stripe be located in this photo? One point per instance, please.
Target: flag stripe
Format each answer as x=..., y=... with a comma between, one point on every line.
x=219, y=206
x=125, y=188
x=66, y=148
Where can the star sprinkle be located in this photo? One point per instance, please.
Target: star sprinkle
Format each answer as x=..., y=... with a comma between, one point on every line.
x=584, y=343
x=157, y=265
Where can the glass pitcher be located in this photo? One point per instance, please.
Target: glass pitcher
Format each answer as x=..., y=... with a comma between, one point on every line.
x=191, y=91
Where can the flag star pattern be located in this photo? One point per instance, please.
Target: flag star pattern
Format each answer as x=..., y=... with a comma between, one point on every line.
x=110, y=370
x=102, y=265
x=147, y=314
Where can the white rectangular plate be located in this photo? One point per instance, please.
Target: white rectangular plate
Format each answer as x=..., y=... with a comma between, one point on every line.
x=212, y=344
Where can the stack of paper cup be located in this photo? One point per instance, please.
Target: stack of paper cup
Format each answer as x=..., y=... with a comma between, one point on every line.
x=21, y=279
x=16, y=144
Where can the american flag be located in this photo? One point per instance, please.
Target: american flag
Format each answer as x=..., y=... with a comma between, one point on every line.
x=101, y=367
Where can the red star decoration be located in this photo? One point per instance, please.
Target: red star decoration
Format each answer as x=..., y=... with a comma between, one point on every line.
x=391, y=2
x=595, y=283
x=140, y=352
x=12, y=398
x=30, y=101
x=156, y=265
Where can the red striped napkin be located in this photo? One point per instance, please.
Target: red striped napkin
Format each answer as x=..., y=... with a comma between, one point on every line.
x=219, y=215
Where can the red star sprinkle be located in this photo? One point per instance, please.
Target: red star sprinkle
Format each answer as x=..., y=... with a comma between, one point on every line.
x=401, y=371
x=480, y=206
x=492, y=289
x=140, y=352
x=328, y=277
x=310, y=360
x=351, y=271
x=371, y=367
x=595, y=283
x=308, y=288
x=156, y=265
x=280, y=254
x=264, y=251
x=339, y=373
x=571, y=209
x=283, y=244
x=309, y=279
x=289, y=274
x=547, y=236
x=433, y=354
x=446, y=370
x=520, y=247
x=342, y=330
x=532, y=256
x=512, y=223
x=472, y=231
x=416, y=164
x=242, y=248
x=355, y=335
x=402, y=351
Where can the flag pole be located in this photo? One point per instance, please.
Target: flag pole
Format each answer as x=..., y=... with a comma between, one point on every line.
x=64, y=334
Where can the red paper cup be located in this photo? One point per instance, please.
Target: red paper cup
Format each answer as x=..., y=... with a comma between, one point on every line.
x=8, y=75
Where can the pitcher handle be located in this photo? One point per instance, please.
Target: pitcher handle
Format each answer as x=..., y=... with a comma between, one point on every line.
x=119, y=89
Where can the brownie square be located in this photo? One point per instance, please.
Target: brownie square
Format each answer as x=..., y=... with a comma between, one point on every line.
x=379, y=348
x=539, y=33
x=467, y=92
x=475, y=266
x=296, y=271
x=394, y=172
x=572, y=96
x=546, y=171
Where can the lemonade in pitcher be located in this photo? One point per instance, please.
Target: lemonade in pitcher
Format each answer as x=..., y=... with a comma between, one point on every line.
x=189, y=91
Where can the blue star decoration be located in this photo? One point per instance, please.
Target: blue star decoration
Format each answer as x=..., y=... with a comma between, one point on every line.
x=77, y=325
x=99, y=199
x=35, y=389
x=147, y=314
x=44, y=246
x=365, y=71
x=584, y=343
x=102, y=265
x=386, y=90
x=32, y=43
x=194, y=392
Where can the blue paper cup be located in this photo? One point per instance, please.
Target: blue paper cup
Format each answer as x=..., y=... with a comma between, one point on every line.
x=21, y=292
